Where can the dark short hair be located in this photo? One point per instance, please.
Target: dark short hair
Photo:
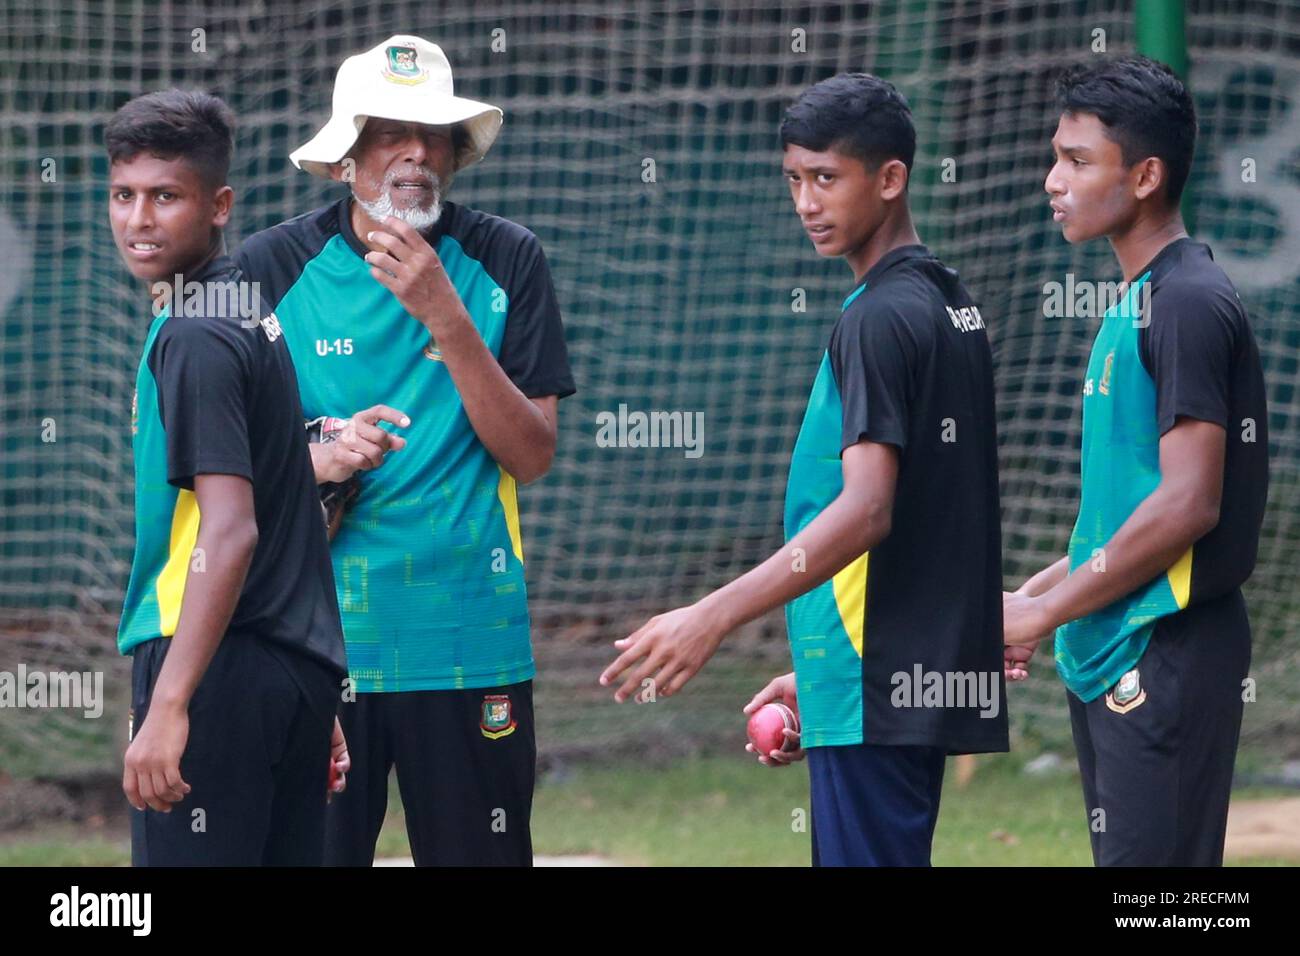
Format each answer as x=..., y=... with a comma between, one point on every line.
x=856, y=114
x=1145, y=108
x=175, y=124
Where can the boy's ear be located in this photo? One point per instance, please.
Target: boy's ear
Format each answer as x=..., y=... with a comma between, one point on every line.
x=893, y=179
x=222, y=202
x=1151, y=175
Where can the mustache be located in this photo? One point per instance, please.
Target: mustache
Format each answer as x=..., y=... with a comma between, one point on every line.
x=422, y=173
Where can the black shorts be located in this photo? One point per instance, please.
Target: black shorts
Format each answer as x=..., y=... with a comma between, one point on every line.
x=466, y=764
x=257, y=759
x=1156, y=752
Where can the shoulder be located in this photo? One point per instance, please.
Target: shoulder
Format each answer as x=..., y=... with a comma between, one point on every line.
x=217, y=312
x=274, y=259
x=475, y=227
x=298, y=238
x=320, y=223
x=1194, y=294
x=905, y=301
x=199, y=335
x=500, y=244
x=876, y=327
x=193, y=353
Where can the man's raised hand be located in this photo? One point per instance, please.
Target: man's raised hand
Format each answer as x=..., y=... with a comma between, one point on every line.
x=409, y=268
x=360, y=445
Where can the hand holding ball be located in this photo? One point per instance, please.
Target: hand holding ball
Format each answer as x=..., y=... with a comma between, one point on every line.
x=767, y=727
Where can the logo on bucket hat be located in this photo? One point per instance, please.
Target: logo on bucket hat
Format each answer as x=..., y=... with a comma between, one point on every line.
x=402, y=66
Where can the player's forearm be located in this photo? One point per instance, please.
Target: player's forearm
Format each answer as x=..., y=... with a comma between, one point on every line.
x=212, y=591
x=512, y=428
x=1046, y=579
x=847, y=528
x=1155, y=536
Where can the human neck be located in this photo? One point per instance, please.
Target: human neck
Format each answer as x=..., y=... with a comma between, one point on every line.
x=1142, y=241
x=896, y=231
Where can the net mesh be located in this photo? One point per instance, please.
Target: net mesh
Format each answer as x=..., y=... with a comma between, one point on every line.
x=640, y=145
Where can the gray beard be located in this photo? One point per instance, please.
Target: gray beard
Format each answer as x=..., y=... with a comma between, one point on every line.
x=415, y=217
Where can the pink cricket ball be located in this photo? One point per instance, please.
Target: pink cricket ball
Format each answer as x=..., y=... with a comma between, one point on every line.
x=767, y=727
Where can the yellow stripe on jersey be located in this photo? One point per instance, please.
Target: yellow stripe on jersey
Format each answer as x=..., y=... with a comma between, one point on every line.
x=510, y=502
x=1180, y=579
x=850, y=586
x=171, y=580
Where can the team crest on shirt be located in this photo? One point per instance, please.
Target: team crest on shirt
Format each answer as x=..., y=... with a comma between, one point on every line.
x=402, y=66
x=1104, y=386
x=497, y=720
x=1127, y=694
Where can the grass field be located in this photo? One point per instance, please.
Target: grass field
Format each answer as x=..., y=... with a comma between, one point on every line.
x=720, y=811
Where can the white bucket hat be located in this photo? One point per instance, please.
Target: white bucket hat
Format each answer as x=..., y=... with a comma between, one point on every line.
x=404, y=78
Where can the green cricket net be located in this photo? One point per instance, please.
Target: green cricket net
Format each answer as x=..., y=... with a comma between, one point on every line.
x=640, y=145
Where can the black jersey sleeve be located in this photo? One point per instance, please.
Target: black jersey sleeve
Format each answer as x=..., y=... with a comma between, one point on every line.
x=873, y=355
x=202, y=374
x=1187, y=347
x=533, y=352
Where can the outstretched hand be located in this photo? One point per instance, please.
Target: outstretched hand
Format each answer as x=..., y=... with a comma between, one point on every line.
x=668, y=650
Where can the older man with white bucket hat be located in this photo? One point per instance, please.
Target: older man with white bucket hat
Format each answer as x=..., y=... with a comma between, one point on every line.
x=442, y=322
